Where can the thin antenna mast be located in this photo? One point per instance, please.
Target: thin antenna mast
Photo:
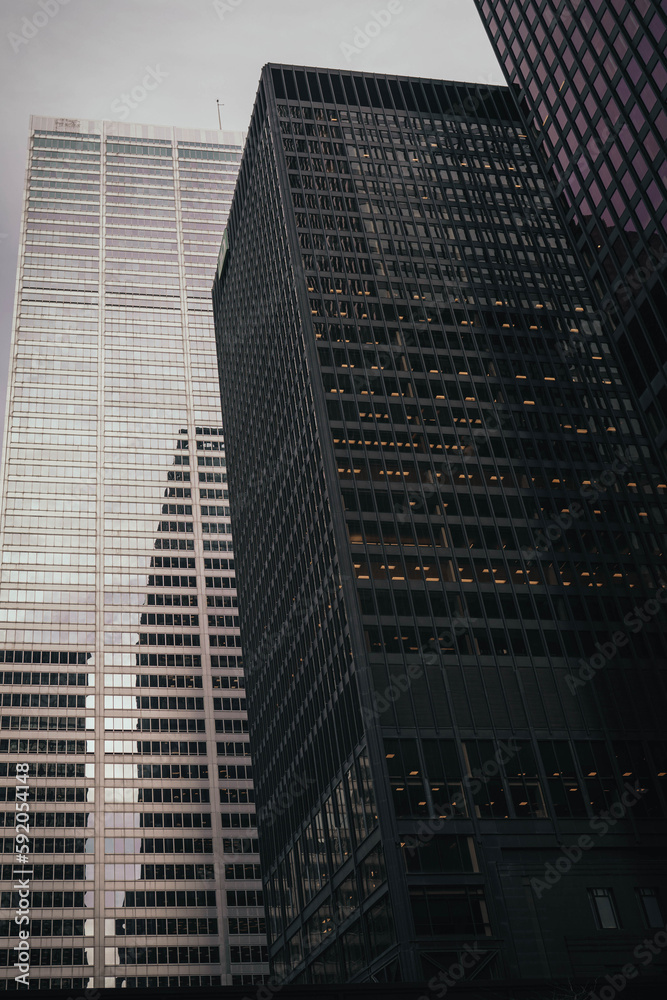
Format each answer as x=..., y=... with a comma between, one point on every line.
x=219, y=119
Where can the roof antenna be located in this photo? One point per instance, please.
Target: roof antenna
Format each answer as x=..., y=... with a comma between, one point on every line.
x=219, y=120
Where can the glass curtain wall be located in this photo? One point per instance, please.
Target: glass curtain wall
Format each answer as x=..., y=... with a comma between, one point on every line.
x=120, y=660
x=451, y=572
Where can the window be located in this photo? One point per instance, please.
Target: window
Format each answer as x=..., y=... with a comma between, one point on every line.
x=562, y=781
x=604, y=909
x=405, y=777
x=650, y=907
x=523, y=783
x=453, y=909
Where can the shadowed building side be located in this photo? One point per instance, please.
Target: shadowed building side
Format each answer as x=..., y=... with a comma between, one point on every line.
x=441, y=532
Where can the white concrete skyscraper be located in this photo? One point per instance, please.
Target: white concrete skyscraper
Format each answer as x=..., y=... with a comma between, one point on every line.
x=120, y=660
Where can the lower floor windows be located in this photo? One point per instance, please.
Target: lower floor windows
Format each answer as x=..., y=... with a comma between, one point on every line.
x=650, y=907
x=183, y=955
x=441, y=910
x=604, y=908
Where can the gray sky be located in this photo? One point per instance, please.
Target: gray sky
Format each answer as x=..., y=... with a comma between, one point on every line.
x=76, y=58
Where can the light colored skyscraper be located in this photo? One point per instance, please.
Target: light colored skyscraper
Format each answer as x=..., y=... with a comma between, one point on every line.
x=120, y=661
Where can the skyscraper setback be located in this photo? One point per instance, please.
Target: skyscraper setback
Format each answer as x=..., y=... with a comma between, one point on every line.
x=592, y=83
x=445, y=538
x=120, y=661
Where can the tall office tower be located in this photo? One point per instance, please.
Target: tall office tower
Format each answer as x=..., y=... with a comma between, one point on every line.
x=592, y=82
x=120, y=659
x=441, y=533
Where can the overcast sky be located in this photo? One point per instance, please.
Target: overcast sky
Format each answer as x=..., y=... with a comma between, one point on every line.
x=88, y=53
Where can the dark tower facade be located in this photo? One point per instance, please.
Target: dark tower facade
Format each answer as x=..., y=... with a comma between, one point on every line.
x=441, y=533
x=592, y=81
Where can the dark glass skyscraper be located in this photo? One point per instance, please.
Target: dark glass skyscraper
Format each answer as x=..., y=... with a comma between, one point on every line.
x=592, y=81
x=441, y=534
